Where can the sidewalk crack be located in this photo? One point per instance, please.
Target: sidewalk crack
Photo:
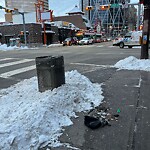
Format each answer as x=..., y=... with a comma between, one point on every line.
x=136, y=116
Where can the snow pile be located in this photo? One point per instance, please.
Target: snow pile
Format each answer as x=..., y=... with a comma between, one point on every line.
x=132, y=63
x=54, y=45
x=4, y=47
x=30, y=119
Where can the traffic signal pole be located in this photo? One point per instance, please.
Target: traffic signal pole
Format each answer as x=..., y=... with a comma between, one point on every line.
x=15, y=11
x=145, y=34
x=24, y=25
x=24, y=28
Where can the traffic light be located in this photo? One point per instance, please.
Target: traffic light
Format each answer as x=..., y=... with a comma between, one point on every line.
x=104, y=7
x=15, y=11
x=21, y=33
x=8, y=10
x=89, y=8
x=141, y=27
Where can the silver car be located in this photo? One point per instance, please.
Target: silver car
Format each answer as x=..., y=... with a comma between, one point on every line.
x=86, y=41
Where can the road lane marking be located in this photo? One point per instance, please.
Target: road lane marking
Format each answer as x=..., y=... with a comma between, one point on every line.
x=15, y=62
x=94, y=65
x=17, y=71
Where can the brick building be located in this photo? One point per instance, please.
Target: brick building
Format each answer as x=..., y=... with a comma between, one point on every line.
x=14, y=31
x=34, y=33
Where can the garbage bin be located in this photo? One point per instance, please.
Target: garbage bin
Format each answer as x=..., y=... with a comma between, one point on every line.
x=50, y=72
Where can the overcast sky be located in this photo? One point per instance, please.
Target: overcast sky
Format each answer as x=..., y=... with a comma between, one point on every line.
x=59, y=7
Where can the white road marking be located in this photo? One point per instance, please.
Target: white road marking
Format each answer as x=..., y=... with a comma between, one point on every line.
x=17, y=71
x=94, y=65
x=101, y=46
x=15, y=62
x=6, y=59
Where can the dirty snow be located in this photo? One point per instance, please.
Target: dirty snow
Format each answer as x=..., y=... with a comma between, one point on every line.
x=132, y=63
x=30, y=119
x=4, y=47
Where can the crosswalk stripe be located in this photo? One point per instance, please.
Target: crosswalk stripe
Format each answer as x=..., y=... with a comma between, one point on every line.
x=6, y=59
x=17, y=71
x=15, y=62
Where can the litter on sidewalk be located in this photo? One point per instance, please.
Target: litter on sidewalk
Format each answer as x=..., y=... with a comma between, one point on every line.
x=99, y=117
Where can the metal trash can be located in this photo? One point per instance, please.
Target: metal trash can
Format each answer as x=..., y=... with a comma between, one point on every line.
x=50, y=72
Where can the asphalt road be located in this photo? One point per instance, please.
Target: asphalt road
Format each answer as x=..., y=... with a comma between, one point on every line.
x=75, y=57
x=126, y=90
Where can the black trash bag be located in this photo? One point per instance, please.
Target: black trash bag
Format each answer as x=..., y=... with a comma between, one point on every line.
x=94, y=123
x=116, y=115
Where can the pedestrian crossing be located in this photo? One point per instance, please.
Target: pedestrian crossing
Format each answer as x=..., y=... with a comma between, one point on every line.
x=15, y=63
x=19, y=66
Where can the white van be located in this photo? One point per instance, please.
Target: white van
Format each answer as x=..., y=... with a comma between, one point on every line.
x=131, y=39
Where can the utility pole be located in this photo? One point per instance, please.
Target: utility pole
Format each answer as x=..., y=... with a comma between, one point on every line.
x=82, y=5
x=146, y=28
x=24, y=25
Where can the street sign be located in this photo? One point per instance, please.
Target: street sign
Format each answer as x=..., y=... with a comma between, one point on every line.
x=115, y=5
x=46, y=15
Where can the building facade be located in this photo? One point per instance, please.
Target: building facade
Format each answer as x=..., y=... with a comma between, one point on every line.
x=34, y=34
x=25, y=5
x=113, y=16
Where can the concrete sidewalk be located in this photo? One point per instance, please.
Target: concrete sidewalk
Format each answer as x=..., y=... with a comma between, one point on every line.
x=128, y=91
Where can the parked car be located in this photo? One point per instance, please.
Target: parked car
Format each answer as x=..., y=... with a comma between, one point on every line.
x=98, y=40
x=70, y=41
x=109, y=39
x=86, y=41
x=104, y=39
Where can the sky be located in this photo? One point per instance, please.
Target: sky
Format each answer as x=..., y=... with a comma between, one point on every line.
x=60, y=7
x=31, y=118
